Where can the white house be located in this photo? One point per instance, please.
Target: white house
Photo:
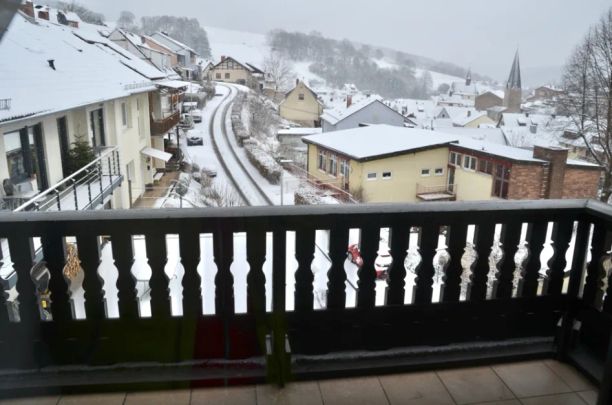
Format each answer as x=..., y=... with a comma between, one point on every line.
x=62, y=84
x=370, y=110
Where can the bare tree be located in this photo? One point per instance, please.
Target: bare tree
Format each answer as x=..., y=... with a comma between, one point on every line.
x=587, y=100
x=126, y=20
x=278, y=71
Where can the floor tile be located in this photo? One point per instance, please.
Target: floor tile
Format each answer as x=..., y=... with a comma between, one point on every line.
x=531, y=379
x=506, y=402
x=93, y=399
x=299, y=393
x=176, y=397
x=224, y=396
x=590, y=397
x=353, y=391
x=571, y=376
x=471, y=385
x=559, y=399
x=415, y=389
x=52, y=400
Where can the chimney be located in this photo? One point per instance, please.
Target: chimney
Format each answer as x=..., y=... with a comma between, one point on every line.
x=469, y=113
x=222, y=58
x=28, y=8
x=557, y=158
x=297, y=81
x=44, y=14
x=349, y=101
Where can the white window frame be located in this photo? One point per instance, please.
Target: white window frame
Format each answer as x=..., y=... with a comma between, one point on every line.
x=387, y=175
x=322, y=163
x=439, y=171
x=371, y=178
x=333, y=165
x=301, y=96
x=425, y=172
x=468, y=162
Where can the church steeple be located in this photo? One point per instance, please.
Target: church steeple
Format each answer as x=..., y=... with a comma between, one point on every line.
x=513, y=96
x=514, y=80
x=468, y=77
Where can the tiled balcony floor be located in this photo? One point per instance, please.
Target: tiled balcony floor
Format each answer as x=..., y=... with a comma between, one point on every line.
x=530, y=383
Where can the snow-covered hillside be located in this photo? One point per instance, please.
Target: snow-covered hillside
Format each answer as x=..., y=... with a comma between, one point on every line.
x=252, y=48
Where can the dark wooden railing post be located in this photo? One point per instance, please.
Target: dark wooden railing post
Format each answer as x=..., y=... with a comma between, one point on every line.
x=89, y=254
x=223, y=248
x=600, y=245
x=22, y=255
x=561, y=237
x=159, y=282
x=54, y=253
x=189, y=246
x=256, y=280
x=581, y=246
x=425, y=271
x=336, y=284
x=279, y=365
x=369, y=242
x=457, y=236
x=123, y=255
x=510, y=238
x=483, y=238
x=536, y=236
x=396, y=285
x=304, y=254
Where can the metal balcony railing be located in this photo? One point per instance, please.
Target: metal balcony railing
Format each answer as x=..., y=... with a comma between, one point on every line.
x=85, y=189
x=162, y=126
x=522, y=279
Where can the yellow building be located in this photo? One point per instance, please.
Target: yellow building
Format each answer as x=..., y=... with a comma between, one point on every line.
x=301, y=105
x=382, y=163
x=229, y=70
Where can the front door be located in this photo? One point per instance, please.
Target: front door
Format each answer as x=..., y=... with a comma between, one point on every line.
x=96, y=120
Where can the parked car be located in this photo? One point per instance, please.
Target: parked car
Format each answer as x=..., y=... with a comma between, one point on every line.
x=194, y=140
x=381, y=265
x=196, y=115
x=186, y=121
x=189, y=105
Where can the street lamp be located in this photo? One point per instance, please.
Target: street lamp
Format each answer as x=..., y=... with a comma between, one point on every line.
x=282, y=190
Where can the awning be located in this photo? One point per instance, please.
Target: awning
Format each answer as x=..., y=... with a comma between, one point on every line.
x=173, y=84
x=156, y=153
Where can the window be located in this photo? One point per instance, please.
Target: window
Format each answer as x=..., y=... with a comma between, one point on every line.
x=469, y=163
x=425, y=172
x=454, y=158
x=386, y=175
x=333, y=165
x=439, y=171
x=301, y=96
x=501, y=181
x=322, y=160
x=371, y=176
x=344, y=168
x=227, y=75
x=218, y=75
x=485, y=166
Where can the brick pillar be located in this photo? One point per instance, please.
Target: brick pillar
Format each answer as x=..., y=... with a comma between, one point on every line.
x=557, y=158
x=28, y=8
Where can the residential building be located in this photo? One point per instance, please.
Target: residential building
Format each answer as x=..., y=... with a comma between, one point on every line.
x=464, y=90
x=513, y=96
x=302, y=106
x=463, y=117
x=137, y=45
x=158, y=46
x=410, y=165
x=62, y=85
x=371, y=110
x=230, y=70
x=487, y=100
x=186, y=57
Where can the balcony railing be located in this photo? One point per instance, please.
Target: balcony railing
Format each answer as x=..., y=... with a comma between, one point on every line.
x=437, y=192
x=85, y=189
x=269, y=291
x=162, y=126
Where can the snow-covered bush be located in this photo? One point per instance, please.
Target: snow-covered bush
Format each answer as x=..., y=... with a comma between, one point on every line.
x=306, y=195
x=263, y=162
x=182, y=185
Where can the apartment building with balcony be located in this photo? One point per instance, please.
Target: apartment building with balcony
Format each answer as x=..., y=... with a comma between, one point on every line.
x=64, y=84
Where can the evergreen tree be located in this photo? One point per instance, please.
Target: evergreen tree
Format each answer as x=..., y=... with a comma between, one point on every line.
x=79, y=155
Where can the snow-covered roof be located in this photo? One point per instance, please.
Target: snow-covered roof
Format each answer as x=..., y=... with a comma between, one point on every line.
x=379, y=141
x=300, y=131
x=492, y=135
x=175, y=45
x=173, y=84
x=334, y=116
x=55, y=67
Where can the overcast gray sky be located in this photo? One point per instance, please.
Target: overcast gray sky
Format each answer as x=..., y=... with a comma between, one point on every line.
x=478, y=33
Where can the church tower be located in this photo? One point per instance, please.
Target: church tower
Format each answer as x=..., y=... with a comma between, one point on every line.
x=468, y=78
x=514, y=94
